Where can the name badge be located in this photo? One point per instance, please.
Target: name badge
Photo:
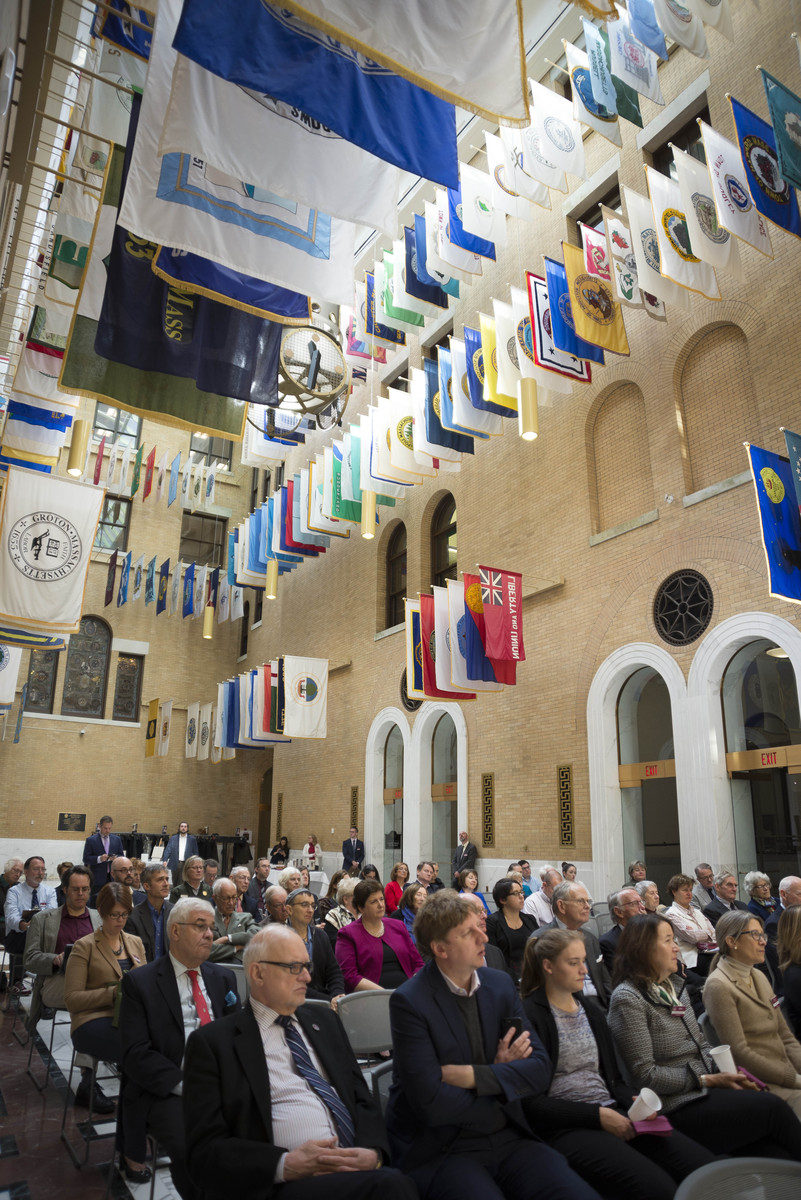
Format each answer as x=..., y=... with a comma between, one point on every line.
x=678, y=1010
x=708, y=947
x=775, y=1001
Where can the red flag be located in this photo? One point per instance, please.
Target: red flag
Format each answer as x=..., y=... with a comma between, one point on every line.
x=479, y=663
x=99, y=460
x=502, y=597
x=428, y=645
x=149, y=466
x=111, y=579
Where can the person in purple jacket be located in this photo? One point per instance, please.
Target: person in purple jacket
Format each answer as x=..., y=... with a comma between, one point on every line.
x=374, y=953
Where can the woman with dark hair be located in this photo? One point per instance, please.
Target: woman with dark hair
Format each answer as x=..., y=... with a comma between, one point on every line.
x=569, y=872
x=789, y=947
x=413, y=898
x=583, y=1112
x=375, y=953
x=740, y=1003
x=370, y=871
x=279, y=855
x=329, y=900
x=398, y=878
x=637, y=871
x=467, y=881
x=664, y=1049
x=510, y=928
x=695, y=933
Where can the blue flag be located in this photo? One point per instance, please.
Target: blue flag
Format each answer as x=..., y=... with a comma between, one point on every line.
x=431, y=293
x=479, y=666
x=446, y=385
x=150, y=581
x=230, y=560
x=563, y=328
x=216, y=282
x=120, y=31
x=416, y=683
x=450, y=286
x=475, y=375
x=175, y=468
x=232, y=712
x=214, y=586
x=772, y=195
x=457, y=234
x=645, y=27
x=434, y=430
x=272, y=51
x=125, y=575
x=396, y=336
x=189, y=591
x=779, y=517
x=164, y=576
x=286, y=561
x=785, y=113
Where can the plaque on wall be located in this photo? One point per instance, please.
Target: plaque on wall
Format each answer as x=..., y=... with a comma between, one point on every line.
x=72, y=822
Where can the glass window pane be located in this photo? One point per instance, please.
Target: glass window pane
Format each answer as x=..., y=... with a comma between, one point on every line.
x=128, y=687
x=116, y=425
x=86, y=672
x=203, y=539
x=42, y=672
x=112, y=530
x=443, y=751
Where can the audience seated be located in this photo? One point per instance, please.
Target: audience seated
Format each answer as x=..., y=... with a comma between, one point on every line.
x=232, y=930
x=583, y=1112
x=326, y=977
x=211, y=869
x=274, y=1101
x=539, y=904
x=259, y=887
x=637, y=871
x=789, y=894
x=467, y=881
x=149, y=919
x=245, y=903
x=276, y=906
x=725, y=899
x=329, y=900
x=23, y=899
x=398, y=878
x=162, y=1004
x=369, y=871
x=663, y=1048
x=492, y=955
x=51, y=931
x=192, y=881
x=760, y=902
x=425, y=876
x=511, y=926
x=289, y=879
x=789, y=958
x=694, y=932
x=743, y=1009
x=572, y=904
x=372, y=951
x=437, y=883
x=455, y=1116
x=623, y=905
x=413, y=898
x=704, y=886
x=344, y=912
x=569, y=872
x=648, y=892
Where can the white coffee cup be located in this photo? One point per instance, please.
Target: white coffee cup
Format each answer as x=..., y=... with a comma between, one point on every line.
x=724, y=1060
x=646, y=1105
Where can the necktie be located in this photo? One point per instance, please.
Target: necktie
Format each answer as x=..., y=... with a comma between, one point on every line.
x=35, y=898
x=321, y=1087
x=199, y=999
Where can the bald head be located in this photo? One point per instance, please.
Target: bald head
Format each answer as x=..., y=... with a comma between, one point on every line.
x=268, y=959
x=122, y=871
x=790, y=891
x=476, y=903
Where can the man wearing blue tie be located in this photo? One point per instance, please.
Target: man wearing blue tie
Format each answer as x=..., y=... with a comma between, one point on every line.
x=99, y=852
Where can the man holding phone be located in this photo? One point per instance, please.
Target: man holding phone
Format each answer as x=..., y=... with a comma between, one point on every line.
x=465, y=1057
x=99, y=852
x=25, y=899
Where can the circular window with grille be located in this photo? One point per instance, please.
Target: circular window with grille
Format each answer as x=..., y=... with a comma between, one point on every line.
x=683, y=607
x=407, y=702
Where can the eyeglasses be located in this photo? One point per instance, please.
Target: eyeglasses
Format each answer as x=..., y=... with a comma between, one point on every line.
x=113, y=916
x=200, y=926
x=756, y=934
x=516, y=892
x=294, y=968
x=580, y=903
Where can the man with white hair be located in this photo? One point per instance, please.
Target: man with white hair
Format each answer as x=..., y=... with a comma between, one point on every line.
x=244, y=901
x=789, y=894
x=232, y=930
x=275, y=1102
x=275, y=905
x=572, y=906
x=725, y=897
x=623, y=905
x=168, y=1000
x=538, y=904
x=289, y=879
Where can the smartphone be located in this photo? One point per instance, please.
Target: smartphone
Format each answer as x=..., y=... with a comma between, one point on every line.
x=508, y=1023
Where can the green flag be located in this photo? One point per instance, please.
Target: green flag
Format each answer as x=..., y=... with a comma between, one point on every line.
x=628, y=102
x=137, y=471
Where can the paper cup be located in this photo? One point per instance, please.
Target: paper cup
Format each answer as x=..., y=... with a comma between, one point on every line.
x=722, y=1056
x=646, y=1105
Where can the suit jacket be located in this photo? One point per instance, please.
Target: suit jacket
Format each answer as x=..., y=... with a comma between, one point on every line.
x=241, y=928
x=254, y=894
x=608, y=943
x=349, y=855
x=152, y=1026
x=40, y=950
x=464, y=858
x=326, y=973
x=701, y=896
x=92, y=850
x=227, y=1106
x=715, y=910
x=757, y=1032
x=169, y=854
x=426, y=1116
x=361, y=956
x=183, y=889
x=251, y=906
x=595, y=965
x=93, y=971
x=140, y=922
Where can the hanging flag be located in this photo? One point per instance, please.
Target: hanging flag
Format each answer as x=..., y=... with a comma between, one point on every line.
x=715, y=13
x=504, y=196
x=733, y=201
x=111, y=579
x=645, y=244
x=772, y=195
x=111, y=23
x=430, y=294
x=557, y=133
x=414, y=651
x=597, y=316
x=428, y=643
x=546, y=355
x=165, y=727
x=465, y=263
x=105, y=117
x=535, y=159
x=137, y=471
x=442, y=647
x=476, y=375
x=626, y=99
x=150, y=582
x=785, y=114
x=204, y=732
x=122, y=482
x=99, y=460
x=632, y=61
x=37, y=432
x=603, y=90
x=202, y=277
x=164, y=577
x=478, y=214
x=502, y=597
x=447, y=385
x=192, y=716
x=585, y=107
x=678, y=23
x=392, y=337
x=10, y=658
x=161, y=476
x=303, y=696
x=428, y=273
x=196, y=497
x=709, y=240
x=479, y=666
x=457, y=630
x=36, y=381
x=152, y=729
x=465, y=416
x=175, y=467
x=793, y=443
x=47, y=531
x=435, y=433
x=138, y=576
x=677, y=255
x=645, y=27
x=489, y=360
x=522, y=167
x=187, y=608
x=223, y=601
x=111, y=468
x=272, y=51
x=149, y=468
x=186, y=481
x=199, y=599
x=777, y=505
x=624, y=264
x=125, y=574
x=237, y=608
x=596, y=252
x=563, y=329
x=457, y=233
x=507, y=359
x=210, y=490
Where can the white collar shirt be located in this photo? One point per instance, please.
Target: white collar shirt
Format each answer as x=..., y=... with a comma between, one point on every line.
x=475, y=984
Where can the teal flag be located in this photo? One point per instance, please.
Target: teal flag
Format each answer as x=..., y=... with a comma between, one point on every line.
x=628, y=102
x=781, y=524
x=785, y=115
x=793, y=441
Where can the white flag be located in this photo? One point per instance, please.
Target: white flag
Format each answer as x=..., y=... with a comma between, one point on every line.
x=108, y=110
x=183, y=202
x=197, y=486
x=678, y=23
x=192, y=714
x=204, y=732
x=175, y=589
x=715, y=13
x=161, y=475
x=506, y=348
x=305, y=696
x=37, y=376
x=645, y=244
x=624, y=264
x=215, y=753
x=710, y=241
x=558, y=136
x=10, y=657
x=524, y=182
x=554, y=369
x=504, y=196
x=199, y=597
x=733, y=201
x=677, y=253
x=122, y=483
x=186, y=490
x=237, y=604
x=442, y=641
x=138, y=576
x=479, y=215
x=465, y=415
x=585, y=107
x=223, y=599
x=461, y=262
x=458, y=643
x=47, y=530
x=400, y=409
x=537, y=162
x=603, y=89
x=165, y=726
x=632, y=62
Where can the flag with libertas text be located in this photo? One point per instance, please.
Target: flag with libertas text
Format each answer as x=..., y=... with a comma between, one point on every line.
x=502, y=597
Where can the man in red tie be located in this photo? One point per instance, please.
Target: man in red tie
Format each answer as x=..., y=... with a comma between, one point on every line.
x=176, y=994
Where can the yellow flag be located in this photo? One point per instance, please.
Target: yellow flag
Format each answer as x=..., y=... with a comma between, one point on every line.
x=597, y=316
x=489, y=354
x=152, y=728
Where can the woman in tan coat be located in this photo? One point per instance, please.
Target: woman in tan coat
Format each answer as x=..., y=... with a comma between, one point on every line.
x=95, y=967
x=745, y=1012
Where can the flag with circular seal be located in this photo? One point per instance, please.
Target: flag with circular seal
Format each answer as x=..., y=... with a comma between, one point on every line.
x=303, y=695
x=772, y=193
x=597, y=316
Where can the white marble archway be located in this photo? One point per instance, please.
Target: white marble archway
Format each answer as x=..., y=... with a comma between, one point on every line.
x=417, y=831
x=374, y=778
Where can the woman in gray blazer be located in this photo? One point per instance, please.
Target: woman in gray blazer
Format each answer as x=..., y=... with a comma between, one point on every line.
x=662, y=1045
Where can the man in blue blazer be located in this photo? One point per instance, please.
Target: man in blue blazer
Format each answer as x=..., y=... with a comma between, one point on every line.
x=455, y=1116
x=352, y=851
x=99, y=851
x=181, y=846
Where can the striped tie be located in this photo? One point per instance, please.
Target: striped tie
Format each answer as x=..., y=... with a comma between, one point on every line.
x=321, y=1087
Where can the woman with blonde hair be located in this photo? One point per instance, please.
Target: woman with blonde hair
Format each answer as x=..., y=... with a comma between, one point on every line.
x=789, y=946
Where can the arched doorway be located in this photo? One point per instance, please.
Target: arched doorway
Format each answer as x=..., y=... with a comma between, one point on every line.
x=444, y=827
x=393, y=801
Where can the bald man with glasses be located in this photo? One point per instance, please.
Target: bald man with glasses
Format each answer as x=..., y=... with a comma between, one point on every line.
x=275, y=1102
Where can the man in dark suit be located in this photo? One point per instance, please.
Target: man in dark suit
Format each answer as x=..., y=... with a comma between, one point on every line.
x=571, y=906
x=352, y=851
x=99, y=851
x=789, y=894
x=623, y=905
x=725, y=897
x=181, y=846
x=149, y=919
x=168, y=1000
x=455, y=1117
x=259, y=887
x=275, y=1102
x=464, y=856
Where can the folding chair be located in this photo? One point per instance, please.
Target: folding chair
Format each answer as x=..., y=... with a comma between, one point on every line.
x=86, y=1129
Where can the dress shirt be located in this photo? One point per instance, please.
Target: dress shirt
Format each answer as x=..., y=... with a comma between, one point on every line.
x=106, y=843
x=20, y=899
x=158, y=929
x=298, y=1114
x=182, y=847
x=188, y=1011
x=539, y=906
x=71, y=929
x=475, y=984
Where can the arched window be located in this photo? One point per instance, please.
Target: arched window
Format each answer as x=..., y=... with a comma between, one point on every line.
x=86, y=673
x=243, y=632
x=42, y=672
x=621, y=485
x=396, y=576
x=393, y=800
x=443, y=790
x=443, y=542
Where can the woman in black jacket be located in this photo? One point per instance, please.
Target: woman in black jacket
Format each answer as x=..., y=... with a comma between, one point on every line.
x=510, y=928
x=583, y=1114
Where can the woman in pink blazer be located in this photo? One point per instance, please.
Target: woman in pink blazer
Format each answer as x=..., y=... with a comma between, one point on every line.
x=374, y=953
